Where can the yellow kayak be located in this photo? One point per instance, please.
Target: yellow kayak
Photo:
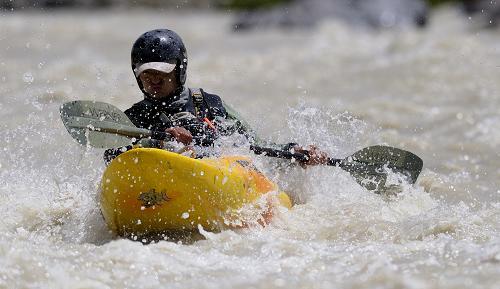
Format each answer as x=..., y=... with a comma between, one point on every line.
x=150, y=191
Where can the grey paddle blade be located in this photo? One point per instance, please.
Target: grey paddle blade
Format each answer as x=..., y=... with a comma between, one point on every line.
x=105, y=140
x=370, y=167
x=99, y=124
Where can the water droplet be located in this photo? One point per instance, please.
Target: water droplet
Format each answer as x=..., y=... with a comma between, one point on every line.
x=28, y=77
x=185, y=215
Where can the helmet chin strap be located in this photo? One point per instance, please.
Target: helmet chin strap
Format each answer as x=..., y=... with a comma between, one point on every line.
x=178, y=90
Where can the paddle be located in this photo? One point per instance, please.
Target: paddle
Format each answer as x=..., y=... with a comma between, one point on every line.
x=369, y=166
x=102, y=125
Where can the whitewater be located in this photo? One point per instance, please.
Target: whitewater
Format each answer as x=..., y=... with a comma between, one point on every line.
x=434, y=92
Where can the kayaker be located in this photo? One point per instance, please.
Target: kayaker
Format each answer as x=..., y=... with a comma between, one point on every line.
x=159, y=62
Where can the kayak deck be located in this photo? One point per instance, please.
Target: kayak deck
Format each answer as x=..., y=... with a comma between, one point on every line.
x=146, y=191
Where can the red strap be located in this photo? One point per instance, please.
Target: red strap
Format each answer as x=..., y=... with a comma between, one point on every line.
x=210, y=124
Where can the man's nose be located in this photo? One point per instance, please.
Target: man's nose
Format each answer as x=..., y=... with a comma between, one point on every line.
x=156, y=79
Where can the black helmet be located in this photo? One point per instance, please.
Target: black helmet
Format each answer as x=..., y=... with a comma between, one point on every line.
x=160, y=46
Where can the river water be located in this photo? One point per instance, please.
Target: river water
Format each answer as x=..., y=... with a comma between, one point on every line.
x=434, y=92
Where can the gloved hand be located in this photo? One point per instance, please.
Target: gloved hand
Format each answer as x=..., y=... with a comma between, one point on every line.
x=316, y=156
x=180, y=134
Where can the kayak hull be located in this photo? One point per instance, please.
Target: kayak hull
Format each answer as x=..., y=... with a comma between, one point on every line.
x=149, y=191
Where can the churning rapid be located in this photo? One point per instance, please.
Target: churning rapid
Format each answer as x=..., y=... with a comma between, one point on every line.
x=434, y=92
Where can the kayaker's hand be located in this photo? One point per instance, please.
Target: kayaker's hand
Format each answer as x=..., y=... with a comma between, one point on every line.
x=316, y=156
x=180, y=134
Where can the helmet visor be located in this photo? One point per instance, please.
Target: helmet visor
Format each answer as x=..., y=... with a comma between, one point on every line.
x=159, y=66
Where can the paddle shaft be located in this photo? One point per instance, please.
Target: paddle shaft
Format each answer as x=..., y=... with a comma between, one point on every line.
x=153, y=134
x=301, y=157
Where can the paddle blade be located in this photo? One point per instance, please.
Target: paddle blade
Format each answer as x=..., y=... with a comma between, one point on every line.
x=98, y=124
x=370, y=167
x=104, y=140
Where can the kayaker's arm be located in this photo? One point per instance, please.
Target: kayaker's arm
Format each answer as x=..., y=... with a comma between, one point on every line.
x=315, y=156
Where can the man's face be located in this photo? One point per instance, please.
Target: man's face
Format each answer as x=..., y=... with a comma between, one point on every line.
x=158, y=84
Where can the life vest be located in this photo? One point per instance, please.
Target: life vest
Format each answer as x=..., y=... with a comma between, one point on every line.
x=207, y=107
